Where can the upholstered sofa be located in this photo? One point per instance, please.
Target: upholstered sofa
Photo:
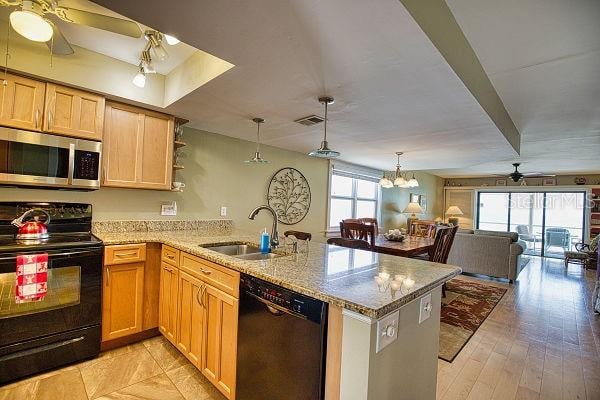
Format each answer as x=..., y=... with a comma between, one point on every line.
x=496, y=254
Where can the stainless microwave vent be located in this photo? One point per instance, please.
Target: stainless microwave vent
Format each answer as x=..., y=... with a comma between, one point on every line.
x=310, y=120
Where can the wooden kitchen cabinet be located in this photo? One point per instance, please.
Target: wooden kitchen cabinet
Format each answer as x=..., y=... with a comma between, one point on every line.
x=138, y=148
x=190, y=316
x=219, y=361
x=72, y=112
x=22, y=103
x=167, y=312
x=122, y=300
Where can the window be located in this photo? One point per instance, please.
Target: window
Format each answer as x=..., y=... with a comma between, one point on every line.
x=352, y=196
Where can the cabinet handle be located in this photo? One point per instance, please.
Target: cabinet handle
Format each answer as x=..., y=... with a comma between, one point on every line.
x=107, y=276
x=50, y=120
x=198, y=296
x=131, y=253
x=37, y=118
x=170, y=257
x=205, y=271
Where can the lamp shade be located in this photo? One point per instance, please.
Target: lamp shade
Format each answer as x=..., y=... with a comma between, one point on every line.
x=454, y=210
x=413, y=208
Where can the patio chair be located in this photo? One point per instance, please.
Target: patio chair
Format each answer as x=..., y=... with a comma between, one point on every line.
x=585, y=254
x=557, y=237
x=526, y=235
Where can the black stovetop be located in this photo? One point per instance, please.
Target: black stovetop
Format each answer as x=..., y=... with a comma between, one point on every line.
x=69, y=226
x=8, y=243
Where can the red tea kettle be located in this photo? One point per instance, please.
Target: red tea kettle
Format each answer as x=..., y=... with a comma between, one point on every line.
x=34, y=229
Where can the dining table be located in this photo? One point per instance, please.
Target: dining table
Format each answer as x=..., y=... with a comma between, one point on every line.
x=411, y=245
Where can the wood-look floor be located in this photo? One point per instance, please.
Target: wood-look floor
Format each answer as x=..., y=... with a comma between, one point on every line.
x=541, y=342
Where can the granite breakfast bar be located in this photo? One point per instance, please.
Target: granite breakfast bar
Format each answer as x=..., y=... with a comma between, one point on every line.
x=367, y=311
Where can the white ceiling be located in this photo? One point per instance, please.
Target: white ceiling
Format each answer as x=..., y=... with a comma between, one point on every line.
x=543, y=58
x=393, y=90
x=117, y=46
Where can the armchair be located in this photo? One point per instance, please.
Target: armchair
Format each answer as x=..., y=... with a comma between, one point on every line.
x=585, y=254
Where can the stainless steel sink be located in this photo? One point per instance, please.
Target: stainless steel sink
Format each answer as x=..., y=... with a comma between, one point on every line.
x=242, y=251
x=258, y=256
x=234, y=249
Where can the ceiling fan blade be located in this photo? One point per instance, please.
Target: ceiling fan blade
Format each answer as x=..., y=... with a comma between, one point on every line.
x=59, y=44
x=537, y=175
x=104, y=22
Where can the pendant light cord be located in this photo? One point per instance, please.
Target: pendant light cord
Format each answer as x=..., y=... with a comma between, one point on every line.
x=6, y=55
x=325, y=135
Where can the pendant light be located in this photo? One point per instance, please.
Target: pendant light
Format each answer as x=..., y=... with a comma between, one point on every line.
x=385, y=183
x=324, y=151
x=400, y=181
x=257, y=159
x=413, y=182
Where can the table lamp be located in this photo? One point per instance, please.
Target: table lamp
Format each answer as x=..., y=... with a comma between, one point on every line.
x=453, y=211
x=413, y=208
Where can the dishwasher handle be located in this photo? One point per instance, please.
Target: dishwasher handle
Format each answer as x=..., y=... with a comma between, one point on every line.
x=275, y=309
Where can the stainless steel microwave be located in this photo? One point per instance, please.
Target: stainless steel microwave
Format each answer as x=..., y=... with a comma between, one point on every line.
x=44, y=160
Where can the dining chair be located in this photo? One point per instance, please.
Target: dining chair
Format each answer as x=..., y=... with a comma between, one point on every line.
x=444, y=238
x=350, y=243
x=422, y=228
x=371, y=221
x=298, y=235
x=358, y=230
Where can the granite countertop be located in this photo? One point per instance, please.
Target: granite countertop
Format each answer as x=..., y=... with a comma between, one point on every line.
x=336, y=275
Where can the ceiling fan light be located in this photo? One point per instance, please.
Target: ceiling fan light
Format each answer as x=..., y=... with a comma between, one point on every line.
x=139, y=79
x=31, y=25
x=171, y=40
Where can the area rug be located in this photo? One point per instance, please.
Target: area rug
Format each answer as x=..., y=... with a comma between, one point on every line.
x=466, y=305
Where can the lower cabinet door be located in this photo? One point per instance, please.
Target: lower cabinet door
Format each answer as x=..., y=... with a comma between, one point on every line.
x=220, y=345
x=167, y=303
x=122, y=300
x=190, y=332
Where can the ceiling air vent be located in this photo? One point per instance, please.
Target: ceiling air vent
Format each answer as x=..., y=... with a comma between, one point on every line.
x=310, y=120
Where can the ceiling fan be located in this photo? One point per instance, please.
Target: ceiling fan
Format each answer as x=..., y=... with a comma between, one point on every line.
x=517, y=175
x=36, y=20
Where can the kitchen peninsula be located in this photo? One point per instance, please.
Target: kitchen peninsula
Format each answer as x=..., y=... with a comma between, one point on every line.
x=363, y=317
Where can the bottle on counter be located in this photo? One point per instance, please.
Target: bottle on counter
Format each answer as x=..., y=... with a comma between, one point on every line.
x=265, y=242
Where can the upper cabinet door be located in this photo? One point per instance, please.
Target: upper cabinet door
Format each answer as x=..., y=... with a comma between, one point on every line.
x=157, y=151
x=73, y=112
x=121, y=143
x=22, y=103
x=138, y=148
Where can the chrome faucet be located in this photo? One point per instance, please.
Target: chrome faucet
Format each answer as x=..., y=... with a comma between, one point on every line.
x=275, y=229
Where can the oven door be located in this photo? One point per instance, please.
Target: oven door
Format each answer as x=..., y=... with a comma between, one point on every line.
x=72, y=301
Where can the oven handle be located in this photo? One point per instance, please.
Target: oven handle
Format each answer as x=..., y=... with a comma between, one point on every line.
x=62, y=254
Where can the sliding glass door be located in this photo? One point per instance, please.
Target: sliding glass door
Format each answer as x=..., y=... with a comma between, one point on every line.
x=548, y=223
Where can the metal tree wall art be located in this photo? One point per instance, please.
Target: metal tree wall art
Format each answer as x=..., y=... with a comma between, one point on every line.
x=289, y=195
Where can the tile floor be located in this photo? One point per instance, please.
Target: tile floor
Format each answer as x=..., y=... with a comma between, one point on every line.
x=541, y=342
x=151, y=370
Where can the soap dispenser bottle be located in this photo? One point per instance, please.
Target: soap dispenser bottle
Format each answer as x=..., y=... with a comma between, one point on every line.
x=265, y=242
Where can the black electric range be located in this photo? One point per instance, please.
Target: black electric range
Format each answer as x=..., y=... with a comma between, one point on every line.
x=60, y=323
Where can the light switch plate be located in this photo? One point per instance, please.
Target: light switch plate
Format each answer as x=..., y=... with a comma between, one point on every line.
x=425, y=308
x=169, y=208
x=223, y=211
x=387, y=330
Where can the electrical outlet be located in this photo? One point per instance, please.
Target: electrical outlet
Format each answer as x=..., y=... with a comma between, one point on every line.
x=223, y=211
x=425, y=309
x=169, y=208
x=387, y=330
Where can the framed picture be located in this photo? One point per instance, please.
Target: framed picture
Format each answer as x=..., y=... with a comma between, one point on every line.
x=421, y=199
x=549, y=182
x=500, y=182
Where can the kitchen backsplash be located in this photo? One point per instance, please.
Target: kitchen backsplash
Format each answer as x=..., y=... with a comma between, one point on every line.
x=209, y=226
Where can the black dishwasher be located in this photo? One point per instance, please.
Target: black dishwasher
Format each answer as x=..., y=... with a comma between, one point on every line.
x=281, y=343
